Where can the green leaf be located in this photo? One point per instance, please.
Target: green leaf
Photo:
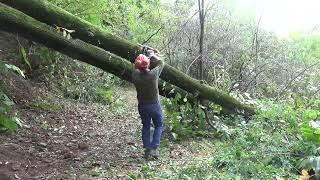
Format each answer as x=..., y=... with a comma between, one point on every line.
x=178, y=96
x=64, y=33
x=164, y=84
x=132, y=176
x=174, y=135
x=172, y=91
x=25, y=57
x=2, y=109
x=7, y=123
x=16, y=69
x=185, y=99
x=6, y=100
x=317, y=132
x=95, y=172
x=18, y=121
x=68, y=36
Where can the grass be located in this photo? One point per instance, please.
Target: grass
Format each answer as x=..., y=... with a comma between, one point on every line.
x=46, y=105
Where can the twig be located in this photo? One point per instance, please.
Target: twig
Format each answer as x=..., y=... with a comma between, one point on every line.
x=153, y=35
x=208, y=8
x=177, y=32
x=192, y=63
x=256, y=75
x=18, y=41
x=297, y=76
x=318, y=90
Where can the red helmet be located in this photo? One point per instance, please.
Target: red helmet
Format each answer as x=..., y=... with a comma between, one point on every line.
x=142, y=62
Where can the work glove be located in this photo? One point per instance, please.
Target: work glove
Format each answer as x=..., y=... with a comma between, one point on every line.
x=152, y=55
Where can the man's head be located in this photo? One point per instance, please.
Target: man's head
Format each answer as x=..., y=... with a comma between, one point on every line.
x=142, y=62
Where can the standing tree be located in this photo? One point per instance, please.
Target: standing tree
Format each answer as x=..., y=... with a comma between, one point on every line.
x=201, y=18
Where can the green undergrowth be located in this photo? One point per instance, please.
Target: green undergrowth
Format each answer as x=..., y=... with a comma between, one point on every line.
x=9, y=119
x=279, y=142
x=46, y=105
x=72, y=79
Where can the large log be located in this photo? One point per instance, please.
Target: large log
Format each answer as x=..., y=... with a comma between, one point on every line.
x=50, y=14
x=55, y=16
x=14, y=21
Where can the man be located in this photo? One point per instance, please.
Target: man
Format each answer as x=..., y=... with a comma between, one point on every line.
x=145, y=80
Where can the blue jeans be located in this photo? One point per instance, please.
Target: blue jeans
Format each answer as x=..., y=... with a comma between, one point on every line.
x=148, y=112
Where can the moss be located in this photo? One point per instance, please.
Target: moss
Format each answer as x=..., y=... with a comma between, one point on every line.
x=51, y=14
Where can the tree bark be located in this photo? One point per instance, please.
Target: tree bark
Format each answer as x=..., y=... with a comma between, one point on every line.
x=55, y=16
x=12, y=20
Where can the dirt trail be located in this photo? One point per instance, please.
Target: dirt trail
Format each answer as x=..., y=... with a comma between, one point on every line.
x=77, y=141
x=73, y=142
x=69, y=143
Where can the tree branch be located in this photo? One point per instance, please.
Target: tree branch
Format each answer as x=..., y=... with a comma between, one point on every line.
x=153, y=35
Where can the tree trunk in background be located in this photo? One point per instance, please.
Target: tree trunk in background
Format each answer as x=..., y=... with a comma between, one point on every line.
x=201, y=20
x=12, y=20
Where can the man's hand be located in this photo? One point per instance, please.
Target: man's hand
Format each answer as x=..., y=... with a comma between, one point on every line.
x=153, y=54
x=157, y=52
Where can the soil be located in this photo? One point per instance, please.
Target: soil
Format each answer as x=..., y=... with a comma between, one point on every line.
x=76, y=141
x=68, y=143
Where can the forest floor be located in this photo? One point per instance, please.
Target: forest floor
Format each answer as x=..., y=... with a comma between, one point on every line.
x=66, y=139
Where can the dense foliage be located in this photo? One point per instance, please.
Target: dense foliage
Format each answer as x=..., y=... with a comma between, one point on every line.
x=8, y=121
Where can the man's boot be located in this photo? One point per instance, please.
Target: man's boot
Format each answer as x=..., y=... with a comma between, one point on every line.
x=147, y=153
x=155, y=153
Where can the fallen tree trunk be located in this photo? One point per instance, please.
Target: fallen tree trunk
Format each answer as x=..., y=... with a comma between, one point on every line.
x=14, y=21
x=55, y=16
x=51, y=14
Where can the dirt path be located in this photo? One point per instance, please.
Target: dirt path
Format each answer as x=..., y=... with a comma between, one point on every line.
x=72, y=143
x=76, y=140
x=79, y=141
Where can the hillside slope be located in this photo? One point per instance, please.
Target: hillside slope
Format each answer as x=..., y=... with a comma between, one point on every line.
x=63, y=138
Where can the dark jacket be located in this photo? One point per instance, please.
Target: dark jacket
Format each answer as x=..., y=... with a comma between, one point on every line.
x=146, y=83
